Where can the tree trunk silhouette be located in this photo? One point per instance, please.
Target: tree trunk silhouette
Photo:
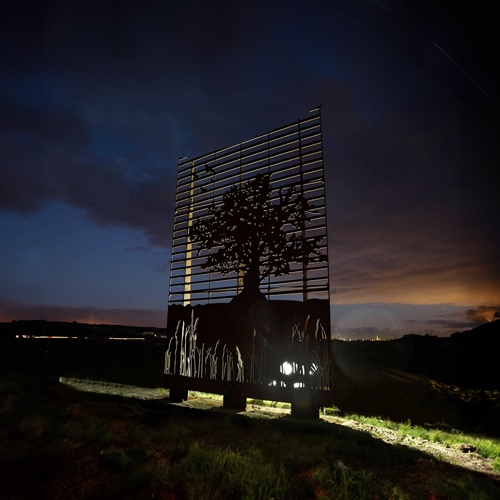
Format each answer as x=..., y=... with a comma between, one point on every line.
x=251, y=291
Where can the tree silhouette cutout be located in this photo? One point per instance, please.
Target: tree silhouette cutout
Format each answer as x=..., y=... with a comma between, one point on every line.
x=247, y=233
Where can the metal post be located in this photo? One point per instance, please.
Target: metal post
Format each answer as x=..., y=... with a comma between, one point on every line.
x=328, y=327
x=304, y=266
x=240, y=272
x=213, y=201
x=189, y=246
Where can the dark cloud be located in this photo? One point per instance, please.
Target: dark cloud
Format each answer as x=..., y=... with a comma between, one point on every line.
x=442, y=324
x=152, y=37
x=401, y=211
x=447, y=322
x=135, y=249
x=452, y=42
x=450, y=324
x=51, y=156
x=393, y=257
x=161, y=267
x=20, y=192
x=422, y=164
x=451, y=315
x=125, y=105
x=483, y=314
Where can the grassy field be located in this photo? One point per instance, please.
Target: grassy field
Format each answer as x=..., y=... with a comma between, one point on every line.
x=62, y=444
x=89, y=446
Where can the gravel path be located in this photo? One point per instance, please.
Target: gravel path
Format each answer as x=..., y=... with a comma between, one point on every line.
x=462, y=455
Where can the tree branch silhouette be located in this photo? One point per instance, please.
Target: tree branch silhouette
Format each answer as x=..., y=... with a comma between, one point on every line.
x=247, y=232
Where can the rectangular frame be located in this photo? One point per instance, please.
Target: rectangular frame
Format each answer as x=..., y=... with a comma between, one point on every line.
x=293, y=155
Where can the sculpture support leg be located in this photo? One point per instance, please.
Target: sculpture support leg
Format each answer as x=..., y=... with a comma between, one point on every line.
x=234, y=397
x=304, y=405
x=178, y=393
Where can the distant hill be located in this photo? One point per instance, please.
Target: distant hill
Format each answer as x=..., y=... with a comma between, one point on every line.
x=487, y=331
x=43, y=328
x=479, y=354
x=467, y=359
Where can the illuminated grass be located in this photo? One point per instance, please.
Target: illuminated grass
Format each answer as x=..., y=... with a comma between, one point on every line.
x=105, y=446
x=342, y=483
x=207, y=395
x=93, y=430
x=216, y=473
x=487, y=447
x=269, y=404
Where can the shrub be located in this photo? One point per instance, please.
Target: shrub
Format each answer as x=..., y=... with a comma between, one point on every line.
x=342, y=483
x=173, y=433
x=34, y=426
x=220, y=472
x=116, y=457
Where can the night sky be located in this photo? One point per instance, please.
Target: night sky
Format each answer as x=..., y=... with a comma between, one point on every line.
x=99, y=100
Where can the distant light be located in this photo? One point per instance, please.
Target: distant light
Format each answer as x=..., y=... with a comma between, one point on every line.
x=298, y=384
x=51, y=337
x=126, y=338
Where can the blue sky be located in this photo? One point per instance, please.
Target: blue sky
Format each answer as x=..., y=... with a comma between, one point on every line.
x=99, y=100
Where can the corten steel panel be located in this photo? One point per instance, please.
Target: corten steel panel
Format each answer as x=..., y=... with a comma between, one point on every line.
x=212, y=339
x=293, y=156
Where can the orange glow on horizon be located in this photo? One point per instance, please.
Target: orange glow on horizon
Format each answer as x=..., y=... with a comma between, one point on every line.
x=420, y=294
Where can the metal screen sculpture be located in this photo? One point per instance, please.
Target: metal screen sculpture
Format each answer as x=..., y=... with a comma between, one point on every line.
x=219, y=333
x=293, y=156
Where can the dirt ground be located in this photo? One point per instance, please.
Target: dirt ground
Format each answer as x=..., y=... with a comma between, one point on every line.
x=463, y=455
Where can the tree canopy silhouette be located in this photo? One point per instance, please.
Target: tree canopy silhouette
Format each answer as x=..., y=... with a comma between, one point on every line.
x=247, y=231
